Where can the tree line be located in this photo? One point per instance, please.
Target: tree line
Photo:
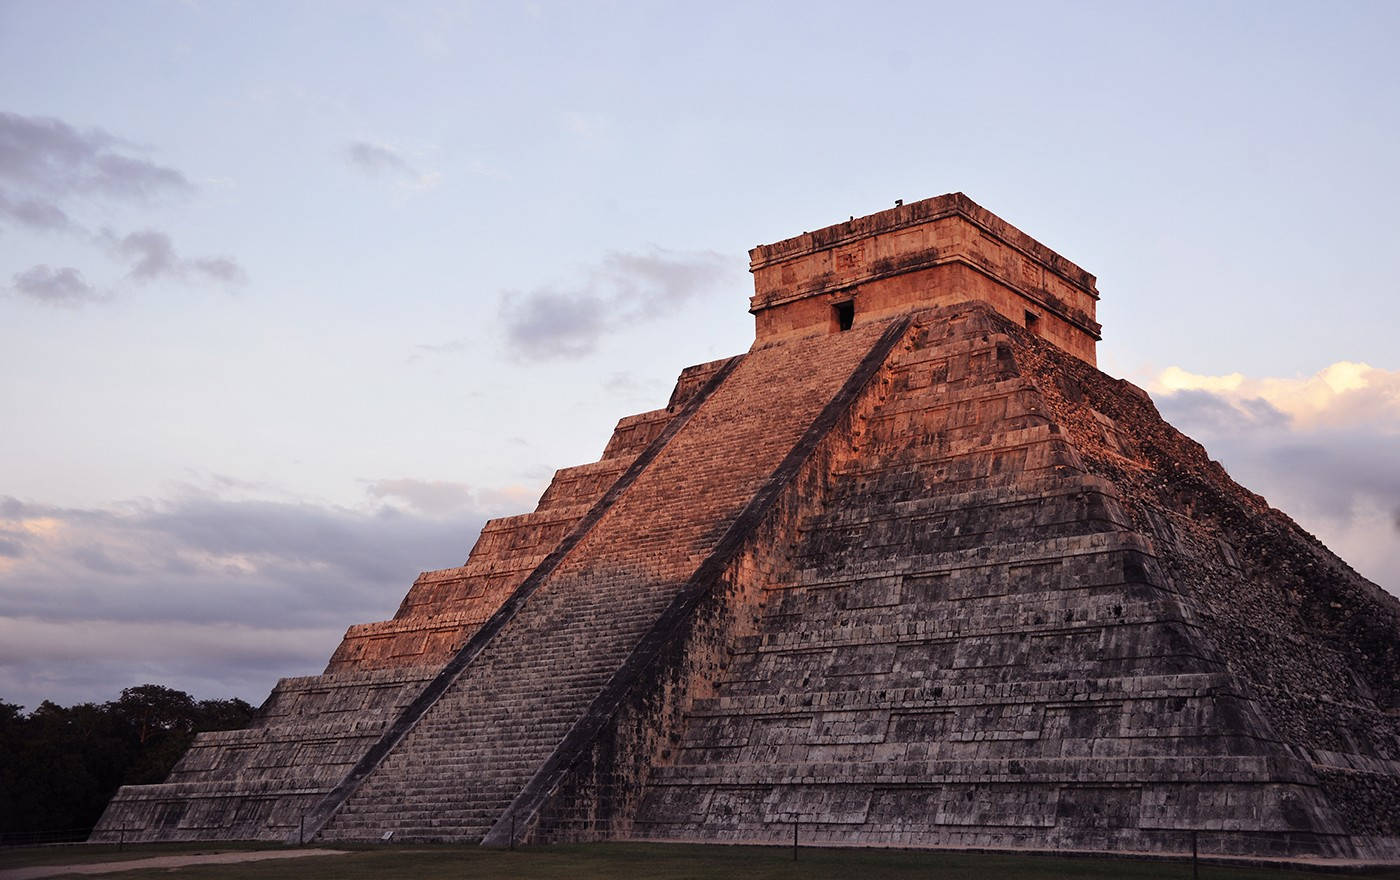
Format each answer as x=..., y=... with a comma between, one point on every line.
x=59, y=766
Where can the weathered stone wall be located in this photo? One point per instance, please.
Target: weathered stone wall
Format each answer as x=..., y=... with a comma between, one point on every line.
x=975, y=645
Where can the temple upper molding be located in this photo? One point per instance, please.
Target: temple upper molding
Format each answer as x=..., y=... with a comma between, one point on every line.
x=933, y=252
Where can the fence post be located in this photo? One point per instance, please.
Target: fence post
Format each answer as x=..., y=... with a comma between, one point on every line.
x=301, y=831
x=121, y=838
x=794, y=841
x=512, y=831
x=1195, y=867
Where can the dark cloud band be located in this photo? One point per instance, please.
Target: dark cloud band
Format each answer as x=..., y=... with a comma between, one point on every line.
x=206, y=594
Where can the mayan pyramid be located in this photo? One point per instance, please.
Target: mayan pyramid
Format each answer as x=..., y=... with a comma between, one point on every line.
x=909, y=572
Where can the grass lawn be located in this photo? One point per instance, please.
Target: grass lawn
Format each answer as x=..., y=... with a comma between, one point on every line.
x=659, y=861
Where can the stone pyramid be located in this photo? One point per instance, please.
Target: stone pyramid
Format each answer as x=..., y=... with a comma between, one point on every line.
x=909, y=572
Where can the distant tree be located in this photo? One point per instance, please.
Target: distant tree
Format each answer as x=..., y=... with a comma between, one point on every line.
x=154, y=710
x=60, y=766
x=11, y=737
x=222, y=714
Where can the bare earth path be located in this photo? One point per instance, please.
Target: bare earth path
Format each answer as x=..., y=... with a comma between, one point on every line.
x=36, y=871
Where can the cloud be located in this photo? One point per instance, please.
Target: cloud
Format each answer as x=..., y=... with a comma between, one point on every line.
x=210, y=595
x=34, y=213
x=1321, y=448
x=426, y=496
x=48, y=155
x=554, y=324
x=440, y=497
x=1345, y=393
x=452, y=346
x=623, y=382
x=153, y=253
x=624, y=289
x=152, y=256
x=379, y=160
x=58, y=287
x=49, y=168
x=220, y=269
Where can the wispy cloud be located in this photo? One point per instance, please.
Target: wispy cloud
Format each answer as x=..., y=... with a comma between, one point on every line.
x=377, y=159
x=441, y=497
x=451, y=346
x=380, y=160
x=1322, y=448
x=64, y=286
x=219, y=269
x=567, y=321
x=48, y=155
x=152, y=257
x=50, y=169
x=34, y=214
x=152, y=253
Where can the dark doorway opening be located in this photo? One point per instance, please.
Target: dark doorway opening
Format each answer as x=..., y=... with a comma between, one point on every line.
x=844, y=314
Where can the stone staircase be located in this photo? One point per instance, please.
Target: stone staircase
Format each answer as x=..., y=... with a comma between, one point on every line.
x=261, y=782
x=456, y=773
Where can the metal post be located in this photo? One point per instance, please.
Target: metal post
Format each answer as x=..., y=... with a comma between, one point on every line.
x=301, y=830
x=121, y=838
x=794, y=841
x=1195, y=868
x=512, y=831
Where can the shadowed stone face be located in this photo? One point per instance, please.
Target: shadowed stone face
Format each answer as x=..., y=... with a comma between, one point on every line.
x=911, y=573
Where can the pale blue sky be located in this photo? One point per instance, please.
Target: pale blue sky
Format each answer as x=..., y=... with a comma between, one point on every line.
x=331, y=264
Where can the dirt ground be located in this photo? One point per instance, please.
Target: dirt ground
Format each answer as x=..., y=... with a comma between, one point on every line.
x=160, y=862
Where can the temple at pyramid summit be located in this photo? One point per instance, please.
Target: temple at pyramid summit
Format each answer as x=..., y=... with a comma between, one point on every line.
x=908, y=572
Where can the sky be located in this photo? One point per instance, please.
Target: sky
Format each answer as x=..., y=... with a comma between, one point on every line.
x=294, y=296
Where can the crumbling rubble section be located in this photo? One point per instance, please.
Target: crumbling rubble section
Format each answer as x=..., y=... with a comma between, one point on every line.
x=1316, y=646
